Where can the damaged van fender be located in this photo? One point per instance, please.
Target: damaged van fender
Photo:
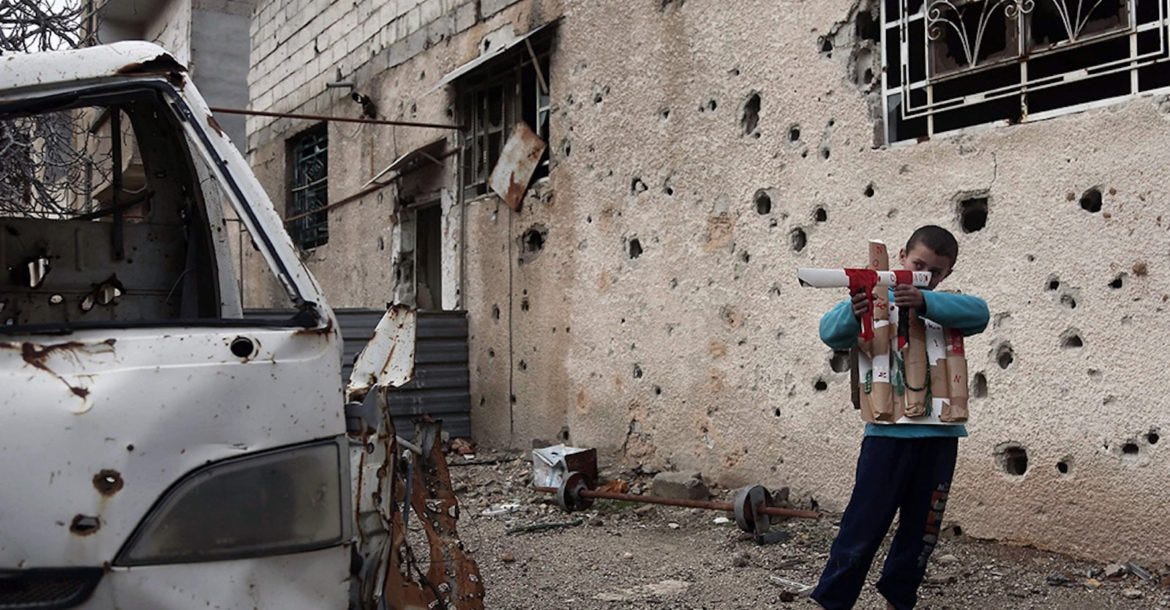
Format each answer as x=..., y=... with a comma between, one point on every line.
x=159, y=449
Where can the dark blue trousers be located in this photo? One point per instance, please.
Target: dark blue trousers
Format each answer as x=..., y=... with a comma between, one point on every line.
x=909, y=476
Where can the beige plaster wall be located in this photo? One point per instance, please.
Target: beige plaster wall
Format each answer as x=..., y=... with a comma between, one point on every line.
x=702, y=352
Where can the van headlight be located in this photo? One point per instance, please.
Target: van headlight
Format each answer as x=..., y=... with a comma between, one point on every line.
x=280, y=501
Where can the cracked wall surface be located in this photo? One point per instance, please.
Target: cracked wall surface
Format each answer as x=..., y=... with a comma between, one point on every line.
x=699, y=154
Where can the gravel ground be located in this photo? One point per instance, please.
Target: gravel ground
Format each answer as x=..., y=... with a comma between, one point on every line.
x=625, y=555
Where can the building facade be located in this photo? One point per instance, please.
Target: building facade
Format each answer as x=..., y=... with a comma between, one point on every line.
x=642, y=296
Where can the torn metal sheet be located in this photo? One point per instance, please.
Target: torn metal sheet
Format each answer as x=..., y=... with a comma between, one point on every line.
x=517, y=163
x=430, y=152
x=494, y=45
x=551, y=464
x=388, y=359
x=446, y=576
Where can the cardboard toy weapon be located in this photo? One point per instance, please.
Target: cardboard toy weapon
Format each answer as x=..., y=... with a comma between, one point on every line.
x=906, y=369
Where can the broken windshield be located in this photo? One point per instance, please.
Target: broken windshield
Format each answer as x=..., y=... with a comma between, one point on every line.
x=107, y=218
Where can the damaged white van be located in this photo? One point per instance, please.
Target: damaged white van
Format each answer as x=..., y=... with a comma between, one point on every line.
x=158, y=449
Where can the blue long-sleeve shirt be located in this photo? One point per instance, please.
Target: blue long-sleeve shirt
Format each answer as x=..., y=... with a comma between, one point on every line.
x=965, y=313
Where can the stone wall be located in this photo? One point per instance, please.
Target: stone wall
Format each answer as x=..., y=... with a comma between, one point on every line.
x=661, y=318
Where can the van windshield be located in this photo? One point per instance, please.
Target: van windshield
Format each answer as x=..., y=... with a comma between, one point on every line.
x=108, y=219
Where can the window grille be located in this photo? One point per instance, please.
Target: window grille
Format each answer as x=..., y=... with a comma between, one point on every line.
x=492, y=102
x=953, y=64
x=310, y=189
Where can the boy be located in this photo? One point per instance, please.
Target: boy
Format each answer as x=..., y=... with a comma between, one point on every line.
x=903, y=468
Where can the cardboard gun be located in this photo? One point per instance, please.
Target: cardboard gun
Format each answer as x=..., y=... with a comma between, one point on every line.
x=927, y=369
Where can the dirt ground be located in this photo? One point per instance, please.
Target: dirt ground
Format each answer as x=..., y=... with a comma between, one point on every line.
x=625, y=555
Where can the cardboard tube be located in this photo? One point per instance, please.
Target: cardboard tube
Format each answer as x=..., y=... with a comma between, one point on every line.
x=915, y=363
x=956, y=409
x=881, y=396
x=936, y=355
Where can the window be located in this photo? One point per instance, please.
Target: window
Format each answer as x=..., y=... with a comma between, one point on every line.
x=110, y=214
x=494, y=98
x=952, y=64
x=307, y=218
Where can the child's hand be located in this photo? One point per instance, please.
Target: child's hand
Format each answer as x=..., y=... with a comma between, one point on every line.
x=860, y=304
x=907, y=296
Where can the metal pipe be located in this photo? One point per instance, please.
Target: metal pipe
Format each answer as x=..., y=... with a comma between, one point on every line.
x=704, y=504
x=337, y=119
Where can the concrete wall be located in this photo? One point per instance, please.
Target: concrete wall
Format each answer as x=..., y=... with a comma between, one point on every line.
x=702, y=352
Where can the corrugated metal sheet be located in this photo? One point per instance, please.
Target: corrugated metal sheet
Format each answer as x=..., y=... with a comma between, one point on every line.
x=442, y=385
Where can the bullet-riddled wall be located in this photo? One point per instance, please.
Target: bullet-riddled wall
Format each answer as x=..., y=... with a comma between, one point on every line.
x=644, y=298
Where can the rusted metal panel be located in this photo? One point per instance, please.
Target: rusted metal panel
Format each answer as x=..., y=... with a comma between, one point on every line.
x=517, y=163
x=445, y=576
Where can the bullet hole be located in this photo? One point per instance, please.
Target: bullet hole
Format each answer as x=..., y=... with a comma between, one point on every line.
x=827, y=46
x=763, y=202
x=1152, y=437
x=1004, y=355
x=745, y=256
x=589, y=219
x=1071, y=339
x=839, y=361
x=821, y=385
x=597, y=97
x=1053, y=283
x=635, y=248
x=1031, y=258
x=1095, y=374
x=820, y=215
x=667, y=189
x=637, y=372
x=825, y=152
x=524, y=304
x=107, y=482
x=1130, y=448
x=657, y=391
x=1012, y=459
x=567, y=148
x=637, y=187
x=130, y=448
x=711, y=105
x=869, y=190
x=495, y=312
x=1068, y=301
x=1064, y=466
x=776, y=412
x=242, y=347
x=1118, y=281
x=750, y=120
x=523, y=365
x=955, y=530
x=1140, y=269
x=491, y=353
x=979, y=386
x=664, y=114
x=532, y=242
x=794, y=133
x=563, y=435
x=973, y=213
x=798, y=239
x=84, y=525
x=1091, y=200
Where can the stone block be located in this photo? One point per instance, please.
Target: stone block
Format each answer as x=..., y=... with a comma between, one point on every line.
x=680, y=486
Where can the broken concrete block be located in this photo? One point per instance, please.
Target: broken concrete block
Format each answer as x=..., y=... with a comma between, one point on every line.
x=680, y=485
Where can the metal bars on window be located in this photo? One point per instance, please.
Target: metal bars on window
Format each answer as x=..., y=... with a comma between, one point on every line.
x=310, y=189
x=494, y=103
x=953, y=64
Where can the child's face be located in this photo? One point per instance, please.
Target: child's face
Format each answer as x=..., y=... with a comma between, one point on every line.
x=922, y=258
